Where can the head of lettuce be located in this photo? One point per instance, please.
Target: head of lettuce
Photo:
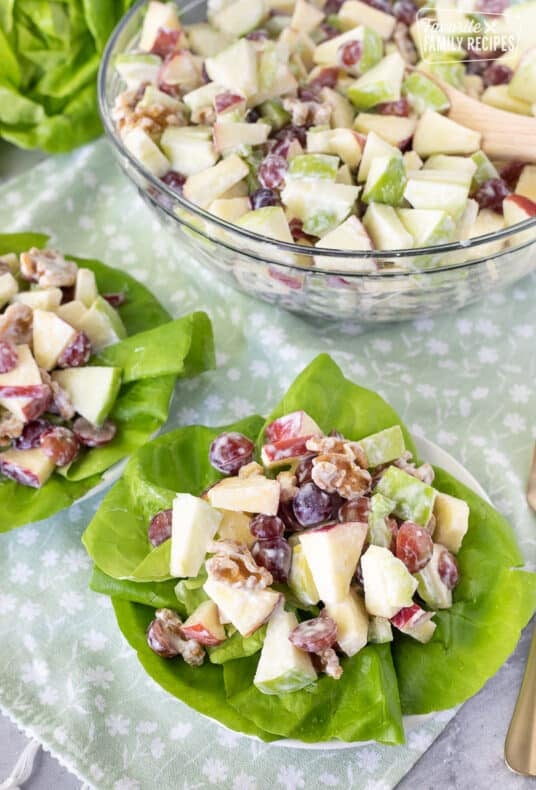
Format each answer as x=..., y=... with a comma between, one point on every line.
x=49, y=57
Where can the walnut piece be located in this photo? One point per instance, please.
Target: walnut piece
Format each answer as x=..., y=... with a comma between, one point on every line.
x=335, y=444
x=48, y=268
x=165, y=637
x=335, y=472
x=10, y=427
x=16, y=324
x=234, y=565
x=61, y=402
x=287, y=483
x=250, y=470
x=307, y=113
x=153, y=119
x=424, y=473
x=327, y=661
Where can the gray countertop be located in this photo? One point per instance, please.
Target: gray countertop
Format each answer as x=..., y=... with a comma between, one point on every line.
x=469, y=753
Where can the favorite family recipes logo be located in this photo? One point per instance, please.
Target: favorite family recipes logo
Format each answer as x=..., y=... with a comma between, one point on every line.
x=445, y=35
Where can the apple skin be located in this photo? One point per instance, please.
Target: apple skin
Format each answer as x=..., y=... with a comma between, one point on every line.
x=284, y=451
x=415, y=622
x=290, y=426
x=524, y=203
x=28, y=467
x=204, y=625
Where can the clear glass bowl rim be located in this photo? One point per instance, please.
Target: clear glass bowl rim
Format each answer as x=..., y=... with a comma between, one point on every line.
x=297, y=249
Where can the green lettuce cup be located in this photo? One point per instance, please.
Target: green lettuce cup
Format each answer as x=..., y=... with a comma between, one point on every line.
x=156, y=352
x=382, y=682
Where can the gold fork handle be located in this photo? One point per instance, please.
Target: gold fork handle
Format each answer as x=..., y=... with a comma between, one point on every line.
x=520, y=746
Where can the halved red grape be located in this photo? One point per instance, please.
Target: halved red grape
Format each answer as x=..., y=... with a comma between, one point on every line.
x=272, y=171
x=115, y=299
x=92, y=435
x=401, y=108
x=77, y=353
x=349, y=54
x=286, y=514
x=258, y=35
x=225, y=100
x=9, y=358
x=174, y=180
x=31, y=434
x=275, y=555
x=264, y=197
x=266, y=527
x=414, y=546
x=311, y=505
x=60, y=445
x=448, y=569
x=497, y=74
x=166, y=42
x=314, y=635
x=160, y=527
x=510, y=173
x=405, y=11
x=304, y=470
x=491, y=194
x=355, y=510
x=230, y=451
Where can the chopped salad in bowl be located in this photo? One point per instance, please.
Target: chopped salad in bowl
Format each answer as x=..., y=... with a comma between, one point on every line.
x=88, y=364
x=307, y=576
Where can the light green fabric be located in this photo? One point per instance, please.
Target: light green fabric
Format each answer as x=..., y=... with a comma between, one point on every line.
x=464, y=381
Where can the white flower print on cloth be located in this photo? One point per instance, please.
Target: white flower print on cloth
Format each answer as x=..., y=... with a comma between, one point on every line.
x=462, y=380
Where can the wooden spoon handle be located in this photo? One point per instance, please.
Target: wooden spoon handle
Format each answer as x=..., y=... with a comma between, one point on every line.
x=520, y=746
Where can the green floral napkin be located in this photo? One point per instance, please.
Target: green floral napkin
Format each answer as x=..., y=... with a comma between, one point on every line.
x=66, y=674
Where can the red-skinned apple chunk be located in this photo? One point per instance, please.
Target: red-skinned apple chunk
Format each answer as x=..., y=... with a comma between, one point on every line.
x=291, y=426
x=204, y=625
x=284, y=451
x=415, y=622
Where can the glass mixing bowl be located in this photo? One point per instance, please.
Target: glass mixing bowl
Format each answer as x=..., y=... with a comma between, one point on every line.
x=331, y=284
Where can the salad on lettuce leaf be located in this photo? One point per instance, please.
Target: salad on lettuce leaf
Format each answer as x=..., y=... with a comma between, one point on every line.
x=88, y=364
x=319, y=592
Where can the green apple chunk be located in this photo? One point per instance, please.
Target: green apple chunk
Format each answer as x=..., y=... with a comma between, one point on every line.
x=498, y=96
x=205, y=41
x=320, y=209
x=414, y=500
x=208, y=185
x=232, y=136
x=41, y=299
x=392, y=129
x=380, y=631
x=269, y=221
x=451, y=71
x=305, y=17
x=189, y=148
x=352, y=623
x=241, y=17
x=301, y=580
x=342, y=112
x=484, y=169
x=8, y=288
x=51, y=336
x=202, y=97
x=452, y=521
x=194, y=524
x=25, y=374
x=146, y=150
x=230, y=209
x=374, y=147
x=453, y=164
x=103, y=325
x=389, y=586
x=487, y=221
x=436, y=134
x=71, y=312
x=381, y=83
x=282, y=668
x=85, y=289
x=428, y=226
x=354, y=12
x=384, y=446
x=351, y=236
x=312, y=167
x=431, y=588
x=92, y=390
x=255, y=494
x=158, y=15
x=234, y=525
x=332, y=553
x=275, y=76
x=523, y=84
x=235, y=68
x=441, y=190
x=344, y=143
x=137, y=69
x=385, y=229
x=246, y=609
x=379, y=533
x=423, y=94
x=386, y=181
x=31, y=466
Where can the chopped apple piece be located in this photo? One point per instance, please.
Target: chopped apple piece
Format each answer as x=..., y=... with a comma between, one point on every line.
x=240, y=17
x=246, y=609
x=384, y=446
x=442, y=190
x=85, y=289
x=381, y=83
x=26, y=374
x=12, y=262
x=285, y=451
x=487, y=221
x=92, y=390
x=379, y=533
x=311, y=167
x=158, y=15
x=320, y=210
x=385, y=228
x=71, y=312
x=423, y=93
x=182, y=69
x=354, y=12
x=306, y=17
x=255, y=494
x=428, y=226
x=412, y=160
x=328, y=53
x=234, y=525
x=394, y=130
x=291, y=426
x=342, y=112
x=194, y=524
x=386, y=181
x=341, y=142
x=301, y=580
x=484, y=168
x=414, y=500
x=351, y=236
x=452, y=521
x=374, y=147
x=154, y=96
x=143, y=148
x=204, y=625
x=8, y=288
x=499, y=97
x=189, y=149
x=269, y=221
x=202, y=97
x=205, y=187
x=229, y=136
x=230, y=209
x=103, y=325
x=518, y=208
x=332, y=553
x=51, y=336
x=235, y=68
x=138, y=69
x=206, y=41
x=522, y=86
x=415, y=622
x=526, y=185
x=352, y=623
x=380, y=631
x=28, y=467
x=436, y=134
x=389, y=586
x=431, y=587
x=453, y=164
x=41, y=299
x=282, y=668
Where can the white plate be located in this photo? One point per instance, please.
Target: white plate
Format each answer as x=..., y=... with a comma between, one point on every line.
x=430, y=452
